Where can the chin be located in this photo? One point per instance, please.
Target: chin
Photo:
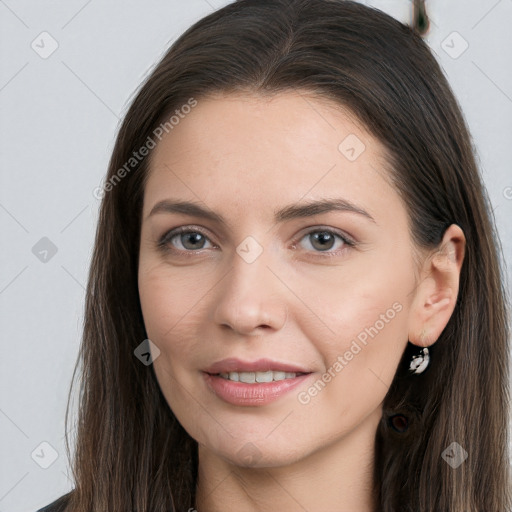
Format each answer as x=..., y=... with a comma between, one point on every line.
x=262, y=453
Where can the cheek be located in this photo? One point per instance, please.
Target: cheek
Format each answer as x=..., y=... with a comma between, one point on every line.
x=360, y=329
x=175, y=307
x=169, y=299
x=172, y=312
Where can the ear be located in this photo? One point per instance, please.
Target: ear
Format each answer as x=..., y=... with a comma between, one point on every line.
x=436, y=294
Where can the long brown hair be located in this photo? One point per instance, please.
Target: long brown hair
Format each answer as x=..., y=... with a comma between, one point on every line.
x=131, y=453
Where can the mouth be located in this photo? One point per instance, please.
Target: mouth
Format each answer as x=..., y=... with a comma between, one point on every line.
x=252, y=370
x=243, y=388
x=258, y=377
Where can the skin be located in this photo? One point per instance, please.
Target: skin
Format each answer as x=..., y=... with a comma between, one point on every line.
x=245, y=156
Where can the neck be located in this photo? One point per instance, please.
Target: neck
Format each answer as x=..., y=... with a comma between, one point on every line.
x=339, y=476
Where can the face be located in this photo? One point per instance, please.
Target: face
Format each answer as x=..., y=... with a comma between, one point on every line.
x=247, y=272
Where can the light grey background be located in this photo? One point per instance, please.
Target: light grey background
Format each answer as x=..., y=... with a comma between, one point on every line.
x=59, y=116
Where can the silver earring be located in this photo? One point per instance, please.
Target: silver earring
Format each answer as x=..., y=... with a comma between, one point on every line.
x=420, y=361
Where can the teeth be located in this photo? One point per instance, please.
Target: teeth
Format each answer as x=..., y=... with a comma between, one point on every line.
x=252, y=377
x=247, y=377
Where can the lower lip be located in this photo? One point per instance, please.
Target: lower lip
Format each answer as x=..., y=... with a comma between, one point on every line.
x=240, y=393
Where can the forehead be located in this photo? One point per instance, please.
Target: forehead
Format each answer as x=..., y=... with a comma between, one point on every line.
x=258, y=151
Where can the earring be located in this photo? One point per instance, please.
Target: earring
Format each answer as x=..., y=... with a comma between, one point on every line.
x=420, y=361
x=399, y=423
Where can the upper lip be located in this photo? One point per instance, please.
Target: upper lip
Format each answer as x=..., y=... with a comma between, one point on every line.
x=233, y=364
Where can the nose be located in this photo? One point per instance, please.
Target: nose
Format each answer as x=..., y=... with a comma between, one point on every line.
x=251, y=298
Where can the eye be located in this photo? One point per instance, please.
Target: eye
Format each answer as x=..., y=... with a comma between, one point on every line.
x=184, y=239
x=323, y=240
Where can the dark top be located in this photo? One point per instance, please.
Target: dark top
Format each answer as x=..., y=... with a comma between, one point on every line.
x=59, y=505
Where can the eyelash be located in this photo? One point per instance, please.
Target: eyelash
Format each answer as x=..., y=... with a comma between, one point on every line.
x=164, y=243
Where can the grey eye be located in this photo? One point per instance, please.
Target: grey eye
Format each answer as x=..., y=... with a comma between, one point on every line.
x=190, y=240
x=323, y=240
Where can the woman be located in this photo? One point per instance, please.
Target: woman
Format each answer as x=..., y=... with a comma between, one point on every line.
x=295, y=300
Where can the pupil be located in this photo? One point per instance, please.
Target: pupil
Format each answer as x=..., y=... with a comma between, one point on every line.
x=322, y=237
x=192, y=237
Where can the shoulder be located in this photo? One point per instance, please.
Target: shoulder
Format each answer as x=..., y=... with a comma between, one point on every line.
x=59, y=505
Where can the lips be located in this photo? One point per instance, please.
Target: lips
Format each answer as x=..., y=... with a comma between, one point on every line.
x=243, y=394
x=233, y=364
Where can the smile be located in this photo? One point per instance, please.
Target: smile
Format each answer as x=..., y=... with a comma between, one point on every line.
x=258, y=377
x=253, y=388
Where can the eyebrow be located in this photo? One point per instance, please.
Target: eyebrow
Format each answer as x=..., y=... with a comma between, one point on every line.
x=292, y=211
